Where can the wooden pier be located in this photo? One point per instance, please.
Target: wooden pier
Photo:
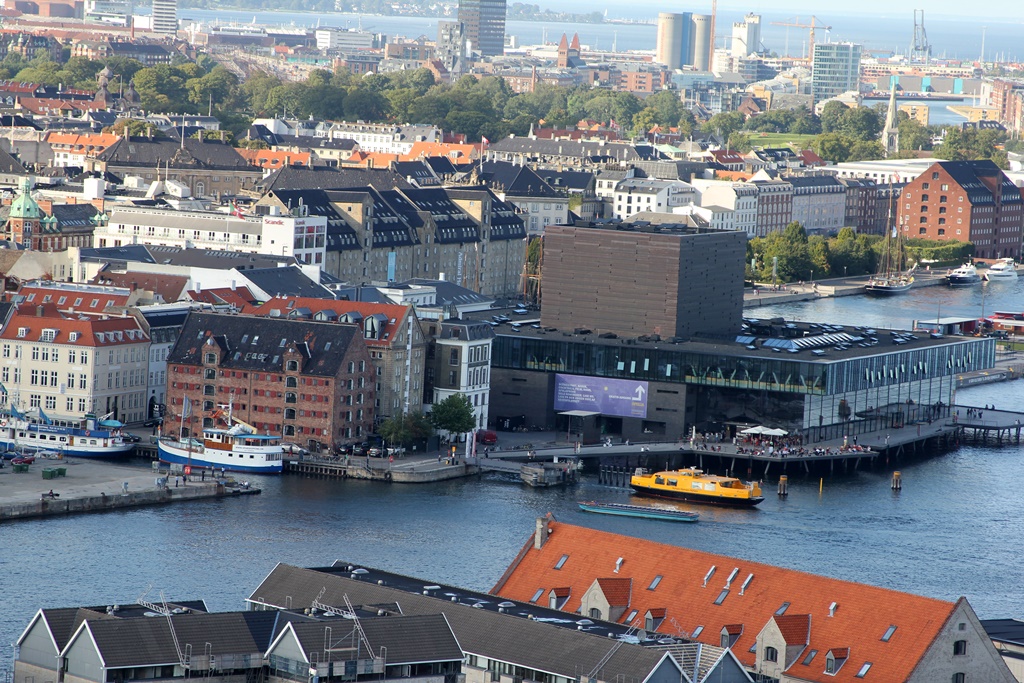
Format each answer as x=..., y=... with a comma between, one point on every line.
x=403, y=471
x=988, y=426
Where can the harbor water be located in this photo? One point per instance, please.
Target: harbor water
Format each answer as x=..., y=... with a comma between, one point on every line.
x=953, y=530
x=960, y=38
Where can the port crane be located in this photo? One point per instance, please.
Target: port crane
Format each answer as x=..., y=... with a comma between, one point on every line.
x=795, y=23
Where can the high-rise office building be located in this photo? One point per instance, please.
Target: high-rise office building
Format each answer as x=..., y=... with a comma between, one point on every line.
x=700, y=44
x=835, y=69
x=746, y=36
x=485, y=25
x=165, y=16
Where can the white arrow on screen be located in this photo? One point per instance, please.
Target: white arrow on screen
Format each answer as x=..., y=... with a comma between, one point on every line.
x=638, y=395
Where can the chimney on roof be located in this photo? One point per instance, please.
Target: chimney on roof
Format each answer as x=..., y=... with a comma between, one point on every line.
x=135, y=285
x=540, y=536
x=618, y=564
x=39, y=311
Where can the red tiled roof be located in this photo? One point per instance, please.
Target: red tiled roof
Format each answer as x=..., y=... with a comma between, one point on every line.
x=733, y=629
x=657, y=612
x=91, y=301
x=561, y=592
x=864, y=613
x=168, y=287
x=840, y=652
x=26, y=324
x=240, y=297
x=394, y=312
x=616, y=591
x=794, y=628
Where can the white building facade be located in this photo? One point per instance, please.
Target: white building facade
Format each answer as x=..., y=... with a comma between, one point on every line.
x=301, y=236
x=634, y=195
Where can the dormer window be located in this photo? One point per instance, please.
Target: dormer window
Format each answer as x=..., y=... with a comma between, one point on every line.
x=292, y=366
x=48, y=335
x=211, y=358
x=771, y=654
x=22, y=332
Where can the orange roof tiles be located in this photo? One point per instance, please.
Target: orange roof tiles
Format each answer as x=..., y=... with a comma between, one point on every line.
x=451, y=150
x=95, y=299
x=28, y=322
x=90, y=143
x=794, y=628
x=240, y=297
x=616, y=591
x=267, y=158
x=167, y=287
x=862, y=616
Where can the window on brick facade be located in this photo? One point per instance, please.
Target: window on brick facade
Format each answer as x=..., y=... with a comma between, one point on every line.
x=292, y=365
x=291, y=382
x=289, y=413
x=289, y=397
x=210, y=373
x=942, y=221
x=208, y=390
x=211, y=358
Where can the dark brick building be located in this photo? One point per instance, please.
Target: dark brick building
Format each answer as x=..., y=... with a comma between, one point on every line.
x=774, y=206
x=861, y=204
x=311, y=382
x=637, y=280
x=966, y=201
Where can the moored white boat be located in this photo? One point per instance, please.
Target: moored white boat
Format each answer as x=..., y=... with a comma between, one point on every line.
x=237, y=448
x=1003, y=270
x=90, y=437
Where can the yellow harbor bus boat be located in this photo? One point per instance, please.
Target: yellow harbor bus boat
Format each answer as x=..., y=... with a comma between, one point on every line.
x=693, y=485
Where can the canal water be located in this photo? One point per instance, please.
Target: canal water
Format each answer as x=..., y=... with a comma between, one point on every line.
x=954, y=530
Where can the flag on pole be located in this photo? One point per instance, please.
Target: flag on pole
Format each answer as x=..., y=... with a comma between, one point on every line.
x=186, y=408
x=484, y=140
x=235, y=211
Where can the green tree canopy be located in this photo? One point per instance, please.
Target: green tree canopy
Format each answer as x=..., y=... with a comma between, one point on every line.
x=454, y=414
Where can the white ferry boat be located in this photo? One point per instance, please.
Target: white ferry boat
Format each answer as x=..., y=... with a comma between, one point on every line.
x=90, y=437
x=237, y=448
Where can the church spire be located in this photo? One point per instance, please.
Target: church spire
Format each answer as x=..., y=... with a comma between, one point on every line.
x=891, y=132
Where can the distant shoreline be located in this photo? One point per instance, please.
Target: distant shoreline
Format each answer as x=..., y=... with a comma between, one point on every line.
x=574, y=19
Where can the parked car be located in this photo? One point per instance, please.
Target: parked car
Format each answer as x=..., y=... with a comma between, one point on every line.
x=486, y=437
x=24, y=460
x=131, y=438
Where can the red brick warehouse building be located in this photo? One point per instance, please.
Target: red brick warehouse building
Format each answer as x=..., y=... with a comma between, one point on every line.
x=311, y=382
x=966, y=201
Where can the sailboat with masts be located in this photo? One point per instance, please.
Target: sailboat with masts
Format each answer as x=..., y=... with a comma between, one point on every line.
x=891, y=277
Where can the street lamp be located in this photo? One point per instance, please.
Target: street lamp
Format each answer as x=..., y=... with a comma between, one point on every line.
x=844, y=271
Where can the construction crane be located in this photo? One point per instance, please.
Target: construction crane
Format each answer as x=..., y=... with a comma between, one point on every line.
x=815, y=23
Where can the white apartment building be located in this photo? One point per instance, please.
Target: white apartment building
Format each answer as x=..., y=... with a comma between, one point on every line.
x=301, y=236
x=68, y=365
x=634, y=195
x=385, y=138
x=343, y=39
x=462, y=364
x=740, y=198
x=716, y=217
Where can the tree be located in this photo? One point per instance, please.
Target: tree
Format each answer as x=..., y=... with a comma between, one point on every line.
x=136, y=128
x=454, y=415
x=862, y=123
x=406, y=429
x=831, y=147
x=724, y=124
x=832, y=115
x=866, y=150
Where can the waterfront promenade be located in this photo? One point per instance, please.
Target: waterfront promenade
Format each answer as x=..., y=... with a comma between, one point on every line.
x=763, y=294
x=93, y=486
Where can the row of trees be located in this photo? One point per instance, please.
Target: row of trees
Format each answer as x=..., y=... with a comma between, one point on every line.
x=803, y=257
x=453, y=415
x=485, y=107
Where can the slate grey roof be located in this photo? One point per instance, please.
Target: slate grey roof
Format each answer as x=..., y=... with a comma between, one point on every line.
x=518, y=181
x=340, y=236
x=118, y=256
x=318, y=177
x=506, y=637
x=147, y=641
x=450, y=293
x=469, y=330
x=74, y=215
x=213, y=258
x=287, y=281
x=408, y=639
x=9, y=164
x=253, y=343
x=146, y=152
